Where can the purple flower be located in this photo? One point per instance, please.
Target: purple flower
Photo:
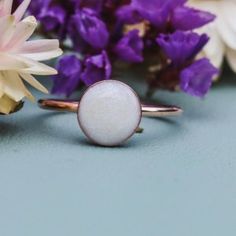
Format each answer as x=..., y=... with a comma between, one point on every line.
x=196, y=79
x=128, y=14
x=155, y=11
x=130, y=47
x=68, y=78
x=97, y=68
x=176, y=3
x=92, y=4
x=90, y=28
x=95, y=29
x=79, y=44
x=36, y=7
x=181, y=46
x=185, y=18
x=52, y=18
x=162, y=13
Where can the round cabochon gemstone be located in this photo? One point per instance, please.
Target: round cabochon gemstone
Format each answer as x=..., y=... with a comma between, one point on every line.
x=109, y=113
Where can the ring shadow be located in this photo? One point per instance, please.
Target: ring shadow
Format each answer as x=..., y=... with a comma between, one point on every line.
x=27, y=126
x=10, y=129
x=137, y=142
x=76, y=140
x=82, y=141
x=169, y=131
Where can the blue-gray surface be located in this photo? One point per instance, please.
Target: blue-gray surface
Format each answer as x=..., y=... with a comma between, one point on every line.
x=176, y=179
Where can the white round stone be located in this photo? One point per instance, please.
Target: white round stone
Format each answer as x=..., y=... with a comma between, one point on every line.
x=109, y=113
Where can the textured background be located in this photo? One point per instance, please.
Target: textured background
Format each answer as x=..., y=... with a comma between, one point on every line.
x=176, y=179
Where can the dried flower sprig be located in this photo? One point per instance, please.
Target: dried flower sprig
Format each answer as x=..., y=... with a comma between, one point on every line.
x=102, y=32
x=19, y=58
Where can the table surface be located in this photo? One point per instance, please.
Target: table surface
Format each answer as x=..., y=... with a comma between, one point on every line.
x=178, y=178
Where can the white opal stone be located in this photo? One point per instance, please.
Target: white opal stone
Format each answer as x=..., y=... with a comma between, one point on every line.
x=109, y=113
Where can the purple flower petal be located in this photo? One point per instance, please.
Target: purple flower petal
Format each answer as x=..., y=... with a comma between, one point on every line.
x=185, y=18
x=128, y=14
x=97, y=68
x=176, y=3
x=52, y=18
x=160, y=13
x=130, y=47
x=181, y=46
x=196, y=79
x=91, y=28
x=92, y=4
x=68, y=78
x=79, y=44
x=155, y=11
x=35, y=7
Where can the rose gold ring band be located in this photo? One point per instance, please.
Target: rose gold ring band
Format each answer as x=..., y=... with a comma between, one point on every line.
x=73, y=106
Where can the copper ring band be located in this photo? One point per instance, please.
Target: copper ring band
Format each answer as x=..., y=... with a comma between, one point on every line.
x=73, y=106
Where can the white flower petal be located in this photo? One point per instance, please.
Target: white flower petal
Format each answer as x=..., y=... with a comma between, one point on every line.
x=231, y=57
x=33, y=82
x=7, y=6
x=1, y=88
x=41, y=45
x=41, y=56
x=20, y=11
x=23, y=31
x=215, y=48
x=24, y=65
x=39, y=69
x=7, y=105
x=228, y=10
x=36, y=68
x=1, y=12
x=13, y=86
x=40, y=49
x=6, y=30
x=11, y=62
x=226, y=33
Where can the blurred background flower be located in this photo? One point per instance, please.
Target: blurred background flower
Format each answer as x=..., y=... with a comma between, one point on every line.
x=98, y=34
x=222, y=31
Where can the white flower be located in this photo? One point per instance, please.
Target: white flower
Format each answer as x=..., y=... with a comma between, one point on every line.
x=222, y=31
x=19, y=58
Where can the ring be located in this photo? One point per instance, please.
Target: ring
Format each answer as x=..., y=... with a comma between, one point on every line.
x=109, y=112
